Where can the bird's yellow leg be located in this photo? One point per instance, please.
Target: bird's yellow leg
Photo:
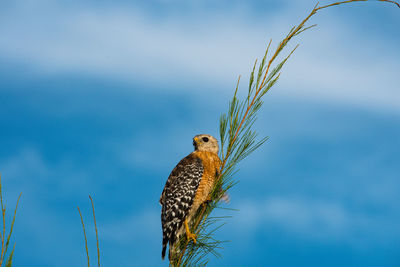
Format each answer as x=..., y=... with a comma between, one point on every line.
x=189, y=234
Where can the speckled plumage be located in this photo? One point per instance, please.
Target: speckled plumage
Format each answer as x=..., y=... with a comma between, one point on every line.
x=187, y=187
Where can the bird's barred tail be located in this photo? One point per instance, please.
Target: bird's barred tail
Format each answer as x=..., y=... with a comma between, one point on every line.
x=164, y=246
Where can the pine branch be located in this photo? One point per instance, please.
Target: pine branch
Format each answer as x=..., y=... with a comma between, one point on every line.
x=239, y=140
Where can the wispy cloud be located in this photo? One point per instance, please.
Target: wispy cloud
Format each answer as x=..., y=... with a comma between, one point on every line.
x=24, y=163
x=313, y=219
x=28, y=165
x=126, y=43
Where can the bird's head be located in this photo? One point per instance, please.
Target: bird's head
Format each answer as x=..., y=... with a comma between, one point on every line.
x=205, y=142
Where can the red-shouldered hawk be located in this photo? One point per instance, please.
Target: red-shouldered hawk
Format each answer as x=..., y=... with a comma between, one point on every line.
x=187, y=187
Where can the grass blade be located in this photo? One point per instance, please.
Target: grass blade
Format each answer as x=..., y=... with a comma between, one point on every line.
x=97, y=235
x=84, y=234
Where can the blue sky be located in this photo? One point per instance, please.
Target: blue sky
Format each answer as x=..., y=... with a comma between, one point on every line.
x=103, y=98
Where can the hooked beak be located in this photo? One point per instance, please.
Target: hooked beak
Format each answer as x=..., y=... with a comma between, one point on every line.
x=195, y=142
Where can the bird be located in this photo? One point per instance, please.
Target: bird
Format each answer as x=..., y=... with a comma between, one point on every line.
x=188, y=187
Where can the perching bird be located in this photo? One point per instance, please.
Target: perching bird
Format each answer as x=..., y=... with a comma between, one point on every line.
x=188, y=186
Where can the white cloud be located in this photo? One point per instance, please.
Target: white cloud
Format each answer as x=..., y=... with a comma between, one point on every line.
x=321, y=220
x=28, y=164
x=126, y=43
x=350, y=82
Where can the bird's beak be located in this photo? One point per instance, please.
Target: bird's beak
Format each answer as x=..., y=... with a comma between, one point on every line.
x=195, y=142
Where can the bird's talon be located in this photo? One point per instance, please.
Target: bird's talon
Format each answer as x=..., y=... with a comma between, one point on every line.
x=189, y=234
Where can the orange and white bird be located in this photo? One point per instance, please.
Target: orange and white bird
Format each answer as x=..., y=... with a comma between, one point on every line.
x=188, y=186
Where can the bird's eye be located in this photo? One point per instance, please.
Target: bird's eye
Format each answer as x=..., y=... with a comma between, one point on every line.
x=205, y=139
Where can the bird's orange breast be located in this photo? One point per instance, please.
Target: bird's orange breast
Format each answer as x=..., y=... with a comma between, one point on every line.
x=211, y=164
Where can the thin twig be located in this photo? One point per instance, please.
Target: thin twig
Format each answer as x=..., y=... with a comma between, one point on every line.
x=97, y=235
x=345, y=2
x=84, y=234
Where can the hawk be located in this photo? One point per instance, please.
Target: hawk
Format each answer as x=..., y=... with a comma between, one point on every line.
x=188, y=186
